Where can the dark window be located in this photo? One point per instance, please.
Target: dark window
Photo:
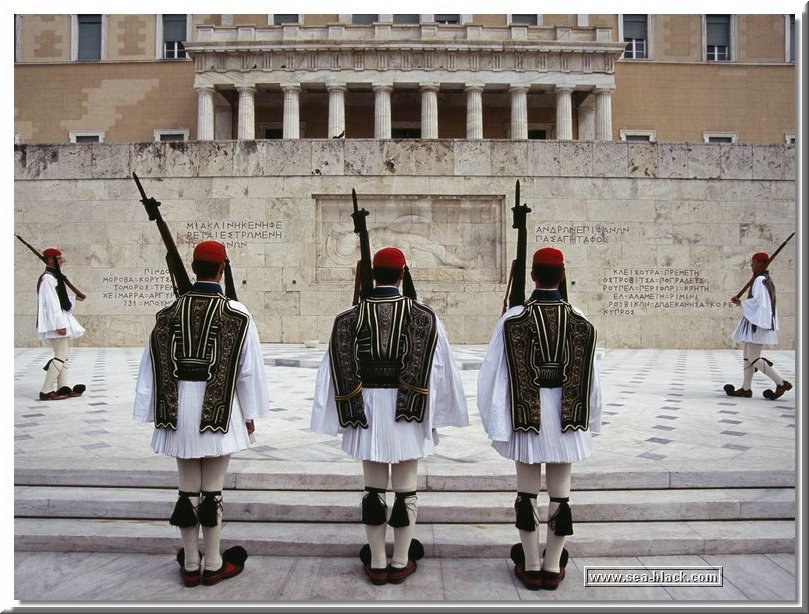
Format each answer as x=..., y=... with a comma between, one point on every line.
x=528, y=20
x=792, y=38
x=538, y=133
x=89, y=37
x=172, y=136
x=273, y=133
x=364, y=19
x=720, y=139
x=405, y=133
x=717, y=31
x=279, y=19
x=635, y=36
x=637, y=138
x=402, y=18
x=447, y=18
x=88, y=138
x=173, y=36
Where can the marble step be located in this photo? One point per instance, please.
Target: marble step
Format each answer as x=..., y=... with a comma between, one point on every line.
x=439, y=540
x=248, y=474
x=434, y=507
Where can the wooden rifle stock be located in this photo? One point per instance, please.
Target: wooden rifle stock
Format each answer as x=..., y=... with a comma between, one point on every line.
x=515, y=290
x=363, y=277
x=79, y=294
x=179, y=277
x=772, y=257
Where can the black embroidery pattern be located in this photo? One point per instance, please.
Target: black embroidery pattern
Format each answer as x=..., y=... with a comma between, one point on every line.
x=421, y=336
x=345, y=370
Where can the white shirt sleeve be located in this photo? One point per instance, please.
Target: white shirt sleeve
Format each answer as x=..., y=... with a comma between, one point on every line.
x=324, y=408
x=494, y=400
x=144, y=389
x=251, y=378
x=758, y=308
x=447, y=397
x=50, y=315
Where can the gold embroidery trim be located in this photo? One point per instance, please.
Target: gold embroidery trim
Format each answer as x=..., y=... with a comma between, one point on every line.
x=353, y=393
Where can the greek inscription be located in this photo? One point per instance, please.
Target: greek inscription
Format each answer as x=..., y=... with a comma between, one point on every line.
x=235, y=233
x=150, y=288
x=579, y=234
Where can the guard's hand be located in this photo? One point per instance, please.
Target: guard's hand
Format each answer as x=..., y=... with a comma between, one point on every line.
x=735, y=300
x=251, y=426
x=61, y=331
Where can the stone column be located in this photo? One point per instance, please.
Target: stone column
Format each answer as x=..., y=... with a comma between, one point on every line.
x=429, y=110
x=586, y=123
x=337, y=109
x=292, y=118
x=382, y=111
x=564, y=113
x=519, y=112
x=474, y=111
x=603, y=127
x=205, y=115
x=247, y=112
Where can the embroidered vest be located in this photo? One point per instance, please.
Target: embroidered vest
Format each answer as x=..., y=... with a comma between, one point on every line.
x=384, y=342
x=197, y=338
x=549, y=345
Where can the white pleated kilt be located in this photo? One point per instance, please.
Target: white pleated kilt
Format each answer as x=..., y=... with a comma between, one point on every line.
x=744, y=333
x=551, y=445
x=186, y=441
x=385, y=440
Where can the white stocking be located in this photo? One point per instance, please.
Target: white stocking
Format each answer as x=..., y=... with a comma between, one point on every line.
x=528, y=481
x=213, y=479
x=189, y=471
x=557, y=477
x=375, y=475
x=404, y=479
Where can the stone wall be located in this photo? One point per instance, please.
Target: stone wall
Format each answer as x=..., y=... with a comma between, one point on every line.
x=657, y=237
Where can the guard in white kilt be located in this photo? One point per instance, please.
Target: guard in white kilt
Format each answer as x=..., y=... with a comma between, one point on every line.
x=57, y=325
x=540, y=400
x=202, y=383
x=758, y=327
x=387, y=382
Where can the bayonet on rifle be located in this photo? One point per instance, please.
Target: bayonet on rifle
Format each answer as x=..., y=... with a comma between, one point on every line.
x=363, y=277
x=179, y=277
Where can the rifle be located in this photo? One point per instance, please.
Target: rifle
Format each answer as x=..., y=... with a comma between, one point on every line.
x=180, y=281
x=515, y=290
x=363, y=278
x=772, y=257
x=79, y=294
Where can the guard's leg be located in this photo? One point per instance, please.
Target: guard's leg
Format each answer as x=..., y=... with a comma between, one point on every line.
x=525, y=507
x=560, y=523
x=210, y=508
x=57, y=366
x=404, y=480
x=374, y=511
x=185, y=517
x=752, y=352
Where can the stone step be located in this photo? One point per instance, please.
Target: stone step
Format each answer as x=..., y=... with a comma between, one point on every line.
x=439, y=540
x=159, y=472
x=434, y=507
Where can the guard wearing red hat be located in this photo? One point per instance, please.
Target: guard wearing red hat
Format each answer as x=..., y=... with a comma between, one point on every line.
x=387, y=382
x=540, y=400
x=757, y=327
x=202, y=384
x=56, y=324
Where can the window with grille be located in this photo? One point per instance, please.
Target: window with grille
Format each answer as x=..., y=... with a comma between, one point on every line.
x=717, y=33
x=173, y=36
x=526, y=20
x=163, y=136
x=719, y=137
x=792, y=38
x=278, y=19
x=447, y=18
x=87, y=136
x=89, y=37
x=635, y=37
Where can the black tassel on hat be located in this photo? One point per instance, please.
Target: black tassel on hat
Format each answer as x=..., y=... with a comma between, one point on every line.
x=230, y=289
x=398, y=515
x=208, y=510
x=526, y=521
x=562, y=520
x=184, y=515
x=408, y=289
x=374, y=508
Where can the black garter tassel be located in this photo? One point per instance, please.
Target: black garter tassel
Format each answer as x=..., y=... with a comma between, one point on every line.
x=374, y=508
x=398, y=515
x=526, y=521
x=184, y=515
x=562, y=521
x=208, y=510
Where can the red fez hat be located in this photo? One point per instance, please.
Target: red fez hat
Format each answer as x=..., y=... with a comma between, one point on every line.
x=389, y=258
x=762, y=256
x=549, y=255
x=51, y=251
x=210, y=251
